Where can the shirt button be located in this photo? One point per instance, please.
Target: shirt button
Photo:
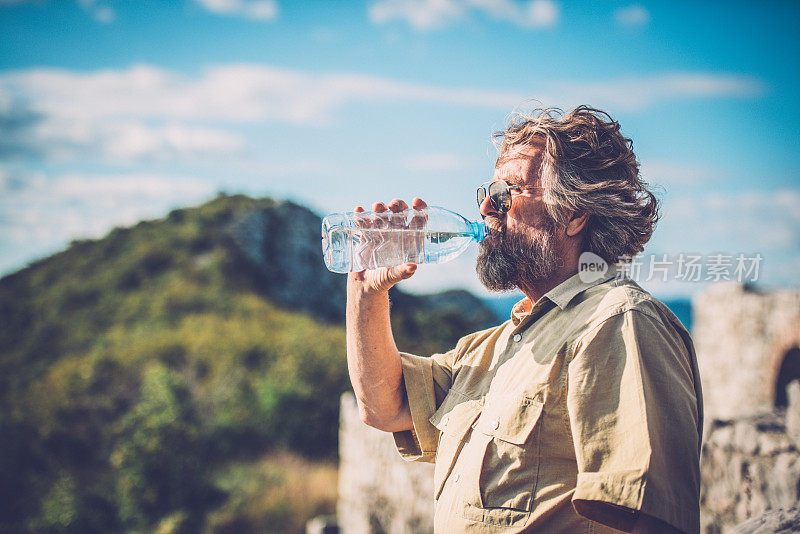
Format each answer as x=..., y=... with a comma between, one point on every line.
x=495, y=424
x=517, y=337
x=457, y=478
x=445, y=420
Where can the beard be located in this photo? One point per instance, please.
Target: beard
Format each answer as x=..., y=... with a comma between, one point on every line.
x=508, y=261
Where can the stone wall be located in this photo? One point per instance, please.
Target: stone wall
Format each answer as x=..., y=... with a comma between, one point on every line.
x=741, y=336
x=785, y=521
x=749, y=465
x=379, y=492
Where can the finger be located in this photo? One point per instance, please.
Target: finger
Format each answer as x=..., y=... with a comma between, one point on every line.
x=419, y=219
x=408, y=270
x=380, y=221
x=398, y=205
x=396, y=274
x=361, y=222
x=398, y=218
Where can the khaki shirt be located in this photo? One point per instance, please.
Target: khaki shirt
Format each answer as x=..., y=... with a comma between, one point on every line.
x=591, y=393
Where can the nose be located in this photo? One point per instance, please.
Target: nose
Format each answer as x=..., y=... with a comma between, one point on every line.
x=487, y=208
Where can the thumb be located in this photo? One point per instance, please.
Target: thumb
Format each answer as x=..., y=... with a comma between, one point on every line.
x=389, y=277
x=406, y=271
x=401, y=272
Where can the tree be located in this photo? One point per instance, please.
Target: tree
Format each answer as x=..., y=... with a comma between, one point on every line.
x=161, y=457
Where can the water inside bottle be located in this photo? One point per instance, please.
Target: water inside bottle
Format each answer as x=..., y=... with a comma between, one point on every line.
x=356, y=249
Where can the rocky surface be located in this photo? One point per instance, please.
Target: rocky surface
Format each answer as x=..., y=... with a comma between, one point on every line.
x=378, y=490
x=772, y=522
x=749, y=466
x=282, y=246
x=747, y=342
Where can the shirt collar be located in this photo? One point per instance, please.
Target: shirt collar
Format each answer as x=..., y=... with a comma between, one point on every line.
x=563, y=293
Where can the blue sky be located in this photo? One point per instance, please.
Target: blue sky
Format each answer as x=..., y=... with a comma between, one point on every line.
x=113, y=111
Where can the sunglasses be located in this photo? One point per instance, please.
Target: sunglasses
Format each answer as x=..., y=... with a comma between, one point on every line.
x=499, y=193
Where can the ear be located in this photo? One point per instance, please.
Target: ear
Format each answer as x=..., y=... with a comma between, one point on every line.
x=577, y=222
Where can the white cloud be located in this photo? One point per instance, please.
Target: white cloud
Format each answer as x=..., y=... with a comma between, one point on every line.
x=499, y=9
x=255, y=93
x=634, y=15
x=636, y=93
x=106, y=15
x=39, y=213
x=426, y=15
x=130, y=141
x=733, y=223
x=232, y=94
x=137, y=141
x=767, y=222
x=115, y=190
x=785, y=202
x=252, y=9
x=661, y=172
x=437, y=162
x=149, y=113
x=542, y=13
x=98, y=10
x=420, y=14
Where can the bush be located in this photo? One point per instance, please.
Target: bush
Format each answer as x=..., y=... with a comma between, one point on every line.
x=161, y=456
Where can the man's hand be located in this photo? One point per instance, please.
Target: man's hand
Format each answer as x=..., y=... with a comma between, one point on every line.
x=381, y=280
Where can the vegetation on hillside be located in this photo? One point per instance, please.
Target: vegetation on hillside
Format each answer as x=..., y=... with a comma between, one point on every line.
x=145, y=386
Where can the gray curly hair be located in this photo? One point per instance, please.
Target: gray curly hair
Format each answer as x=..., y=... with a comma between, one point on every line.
x=588, y=166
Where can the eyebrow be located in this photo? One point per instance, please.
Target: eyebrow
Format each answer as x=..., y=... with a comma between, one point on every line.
x=514, y=179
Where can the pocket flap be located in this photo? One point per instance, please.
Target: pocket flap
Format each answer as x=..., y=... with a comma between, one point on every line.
x=453, y=419
x=456, y=414
x=510, y=419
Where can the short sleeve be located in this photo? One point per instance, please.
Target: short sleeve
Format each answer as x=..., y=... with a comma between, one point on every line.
x=427, y=381
x=633, y=398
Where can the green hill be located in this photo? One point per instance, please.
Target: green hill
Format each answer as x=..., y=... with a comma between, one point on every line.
x=151, y=379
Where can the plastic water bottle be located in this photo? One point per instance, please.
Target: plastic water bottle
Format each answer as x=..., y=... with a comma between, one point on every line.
x=356, y=241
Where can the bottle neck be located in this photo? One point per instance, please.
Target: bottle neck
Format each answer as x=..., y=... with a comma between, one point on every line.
x=478, y=230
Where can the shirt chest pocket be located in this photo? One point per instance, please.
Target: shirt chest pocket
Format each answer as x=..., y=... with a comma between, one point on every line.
x=509, y=430
x=453, y=419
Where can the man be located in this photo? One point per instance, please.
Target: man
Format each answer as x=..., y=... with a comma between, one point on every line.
x=583, y=412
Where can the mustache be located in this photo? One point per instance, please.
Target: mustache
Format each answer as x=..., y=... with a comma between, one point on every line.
x=494, y=226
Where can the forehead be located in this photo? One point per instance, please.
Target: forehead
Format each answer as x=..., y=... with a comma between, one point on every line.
x=519, y=166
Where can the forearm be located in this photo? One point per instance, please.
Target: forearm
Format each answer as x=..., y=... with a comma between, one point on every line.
x=374, y=362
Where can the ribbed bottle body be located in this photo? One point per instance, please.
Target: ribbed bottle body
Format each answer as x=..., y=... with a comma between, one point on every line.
x=356, y=241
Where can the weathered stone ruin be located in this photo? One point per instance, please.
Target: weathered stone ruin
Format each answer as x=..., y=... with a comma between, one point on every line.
x=378, y=491
x=748, y=348
x=748, y=352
